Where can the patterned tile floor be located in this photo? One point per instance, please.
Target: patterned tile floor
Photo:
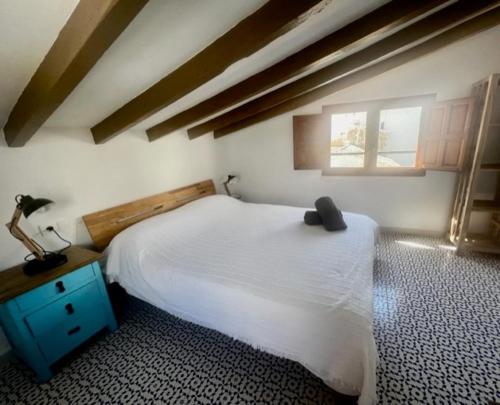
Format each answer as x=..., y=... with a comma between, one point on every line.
x=437, y=326
x=437, y=323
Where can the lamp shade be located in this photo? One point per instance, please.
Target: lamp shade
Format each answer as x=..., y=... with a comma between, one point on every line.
x=28, y=205
x=231, y=179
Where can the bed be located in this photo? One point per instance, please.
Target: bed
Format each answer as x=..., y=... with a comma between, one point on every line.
x=257, y=273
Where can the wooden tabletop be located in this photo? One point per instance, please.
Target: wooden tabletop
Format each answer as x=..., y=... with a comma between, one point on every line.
x=14, y=282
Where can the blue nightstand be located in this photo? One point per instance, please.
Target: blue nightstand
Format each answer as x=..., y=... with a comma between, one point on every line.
x=47, y=315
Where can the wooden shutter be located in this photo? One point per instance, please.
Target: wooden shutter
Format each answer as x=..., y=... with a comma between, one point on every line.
x=444, y=140
x=311, y=142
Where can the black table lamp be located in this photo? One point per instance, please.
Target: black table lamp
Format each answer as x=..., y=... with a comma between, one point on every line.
x=27, y=205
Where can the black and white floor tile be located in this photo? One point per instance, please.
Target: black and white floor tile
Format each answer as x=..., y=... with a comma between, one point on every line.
x=437, y=323
x=155, y=358
x=437, y=326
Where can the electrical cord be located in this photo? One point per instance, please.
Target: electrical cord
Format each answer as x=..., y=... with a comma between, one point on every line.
x=31, y=256
x=47, y=252
x=69, y=244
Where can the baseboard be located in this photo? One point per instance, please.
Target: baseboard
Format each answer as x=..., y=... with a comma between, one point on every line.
x=411, y=231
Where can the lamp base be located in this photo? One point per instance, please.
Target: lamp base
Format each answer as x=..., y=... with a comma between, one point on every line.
x=50, y=261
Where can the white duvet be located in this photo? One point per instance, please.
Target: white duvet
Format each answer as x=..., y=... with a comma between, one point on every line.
x=257, y=273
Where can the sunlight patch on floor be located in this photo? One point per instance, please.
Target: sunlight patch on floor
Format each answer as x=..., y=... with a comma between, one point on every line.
x=415, y=245
x=448, y=247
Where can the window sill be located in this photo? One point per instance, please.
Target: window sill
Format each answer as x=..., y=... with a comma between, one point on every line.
x=392, y=171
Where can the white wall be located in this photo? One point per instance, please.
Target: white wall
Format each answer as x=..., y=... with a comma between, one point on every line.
x=263, y=154
x=263, y=158
x=66, y=166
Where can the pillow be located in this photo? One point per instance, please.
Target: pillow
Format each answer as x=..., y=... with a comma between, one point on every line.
x=330, y=215
x=312, y=218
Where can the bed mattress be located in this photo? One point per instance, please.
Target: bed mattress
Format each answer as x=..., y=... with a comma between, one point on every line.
x=257, y=273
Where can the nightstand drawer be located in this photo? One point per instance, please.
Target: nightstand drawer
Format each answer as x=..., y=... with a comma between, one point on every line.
x=55, y=289
x=58, y=342
x=85, y=301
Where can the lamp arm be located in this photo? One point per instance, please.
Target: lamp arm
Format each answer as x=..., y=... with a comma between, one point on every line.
x=227, y=188
x=20, y=235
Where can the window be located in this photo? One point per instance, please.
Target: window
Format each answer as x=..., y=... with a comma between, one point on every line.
x=402, y=136
x=399, y=130
x=348, y=132
x=377, y=137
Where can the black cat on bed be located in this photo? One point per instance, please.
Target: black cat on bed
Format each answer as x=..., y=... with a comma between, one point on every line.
x=327, y=214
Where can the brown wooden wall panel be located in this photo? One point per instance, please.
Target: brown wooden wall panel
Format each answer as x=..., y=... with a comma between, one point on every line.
x=431, y=139
x=452, y=154
x=495, y=109
x=311, y=141
x=459, y=114
x=437, y=120
x=430, y=153
x=446, y=135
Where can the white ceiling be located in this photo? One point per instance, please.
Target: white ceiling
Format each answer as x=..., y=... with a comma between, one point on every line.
x=165, y=34
x=28, y=29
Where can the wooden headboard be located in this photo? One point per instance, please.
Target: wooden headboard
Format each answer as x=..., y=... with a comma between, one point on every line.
x=105, y=225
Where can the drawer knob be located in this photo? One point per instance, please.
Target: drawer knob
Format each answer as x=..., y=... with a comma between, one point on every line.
x=60, y=287
x=74, y=330
x=69, y=309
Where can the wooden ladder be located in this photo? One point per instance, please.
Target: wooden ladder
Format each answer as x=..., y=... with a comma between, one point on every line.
x=483, y=157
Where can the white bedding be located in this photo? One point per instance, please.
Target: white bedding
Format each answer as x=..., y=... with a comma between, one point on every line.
x=257, y=273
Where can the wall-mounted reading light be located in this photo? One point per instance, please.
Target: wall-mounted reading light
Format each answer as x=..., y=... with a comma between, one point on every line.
x=228, y=180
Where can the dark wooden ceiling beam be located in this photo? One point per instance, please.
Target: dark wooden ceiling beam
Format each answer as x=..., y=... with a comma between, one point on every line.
x=92, y=27
x=272, y=20
x=473, y=26
x=377, y=22
x=418, y=31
